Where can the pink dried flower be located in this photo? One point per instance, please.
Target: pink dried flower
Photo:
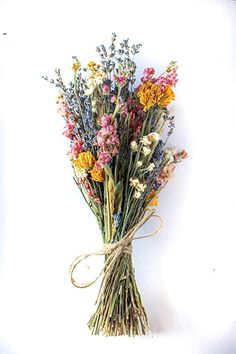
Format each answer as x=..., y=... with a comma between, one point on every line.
x=113, y=99
x=105, y=120
x=105, y=89
x=76, y=148
x=107, y=139
x=170, y=76
x=120, y=80
x=147, y=74
x=69, y=130
x=103, y=158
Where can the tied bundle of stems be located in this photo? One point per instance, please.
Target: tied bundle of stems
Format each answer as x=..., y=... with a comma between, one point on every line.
x=118, y=151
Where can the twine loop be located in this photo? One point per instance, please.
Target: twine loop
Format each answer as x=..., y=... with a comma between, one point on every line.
x=114, y=250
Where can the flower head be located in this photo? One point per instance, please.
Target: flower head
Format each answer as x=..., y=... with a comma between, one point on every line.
x=76, y=148
x=120, y=80
x=76, y=66
x=85, y=160
x=97, y=174
x=146, y=150
x=104, y=157
x=150, y=95
x=147, y=74
x=134, y=146
x=69, y=130
x=151, y=167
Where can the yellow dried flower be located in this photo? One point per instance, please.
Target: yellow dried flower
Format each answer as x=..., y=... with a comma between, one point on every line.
x=85, y=160
x=150, y=95
x=97, y=174
x=167, y=96
x=91, y=64
x=76, y=66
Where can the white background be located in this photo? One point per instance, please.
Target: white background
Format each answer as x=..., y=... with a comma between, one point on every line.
x=186, y=275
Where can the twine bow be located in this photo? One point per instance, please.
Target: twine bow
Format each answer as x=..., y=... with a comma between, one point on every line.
x=114, y=250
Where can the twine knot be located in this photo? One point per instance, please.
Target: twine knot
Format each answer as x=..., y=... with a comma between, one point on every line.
x=114, y=250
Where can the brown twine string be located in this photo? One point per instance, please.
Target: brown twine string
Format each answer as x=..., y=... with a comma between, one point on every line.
x=114, y=250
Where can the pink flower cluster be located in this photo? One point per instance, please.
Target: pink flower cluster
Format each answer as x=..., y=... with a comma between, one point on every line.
x=69, y=130
x=120, y=80
x=76, y=142
x=168, y=78
x=107, y=140
x=148, y=75
x=75, y=148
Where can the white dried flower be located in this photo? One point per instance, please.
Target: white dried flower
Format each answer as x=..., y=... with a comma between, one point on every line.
x=151, y=167
x=134, y=146
x=145, y=140
x=169, y=155
x=154, y=136
x=139, y=163
x=137, y=194
x=146, y=150
x=134, y=182
x=141, y=187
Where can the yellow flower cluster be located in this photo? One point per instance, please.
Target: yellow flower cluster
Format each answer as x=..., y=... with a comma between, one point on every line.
x=76, y=66
x=151, y=95
x=86, y=162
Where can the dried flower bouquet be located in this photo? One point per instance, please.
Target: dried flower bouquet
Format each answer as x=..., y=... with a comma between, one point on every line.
x=118, y=135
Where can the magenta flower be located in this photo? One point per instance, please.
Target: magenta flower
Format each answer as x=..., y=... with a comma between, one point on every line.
x=120, y=80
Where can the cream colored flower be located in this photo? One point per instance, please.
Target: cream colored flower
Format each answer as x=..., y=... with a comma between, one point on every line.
x=137, y=194
x=141, y=187
x=153, y=136
x=151, y=167
x=145, y=140
x=146, y=150
x=134, y=182
x=139, y=163
x=169, y=155
x=134, y=146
